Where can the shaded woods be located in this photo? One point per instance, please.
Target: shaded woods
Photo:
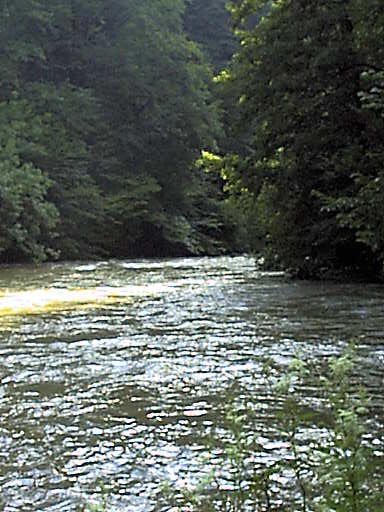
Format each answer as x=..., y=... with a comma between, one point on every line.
x=106, y=111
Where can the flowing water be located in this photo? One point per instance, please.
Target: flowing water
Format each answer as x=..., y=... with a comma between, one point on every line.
x=111, y=373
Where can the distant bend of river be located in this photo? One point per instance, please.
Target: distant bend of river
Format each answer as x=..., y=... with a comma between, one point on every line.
x=112, y=372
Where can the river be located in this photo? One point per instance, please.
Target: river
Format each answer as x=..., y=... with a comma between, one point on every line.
x=112, y=372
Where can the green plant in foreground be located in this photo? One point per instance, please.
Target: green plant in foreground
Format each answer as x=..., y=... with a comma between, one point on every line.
x=327, y=464
x=348, y=472
x=97, y=507
x=101, y=506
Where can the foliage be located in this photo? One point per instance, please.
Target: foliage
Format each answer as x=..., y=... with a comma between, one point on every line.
x=28, y=220
x=322, y=459
x=124, y=107
x=228, y=220
x=208, y=23
x=120, y=103
x=306, y=93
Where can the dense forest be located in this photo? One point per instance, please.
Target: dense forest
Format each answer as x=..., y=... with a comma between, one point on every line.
x=105, y=107
x=307, y=132
x=185, y=127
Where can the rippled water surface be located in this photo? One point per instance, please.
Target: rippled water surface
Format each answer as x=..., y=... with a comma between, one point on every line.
x=111, y=373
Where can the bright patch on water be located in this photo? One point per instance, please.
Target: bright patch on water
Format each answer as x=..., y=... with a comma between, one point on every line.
x=114, y=375
x=50, y=299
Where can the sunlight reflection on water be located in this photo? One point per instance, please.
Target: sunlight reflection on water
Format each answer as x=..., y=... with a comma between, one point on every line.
x=113, y=373
x=51, y=299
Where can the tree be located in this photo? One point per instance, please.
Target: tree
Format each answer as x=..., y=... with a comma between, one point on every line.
x=298, y=83
x=28, y=220
x=362, y=211
x=208, y=23
x=125, y=106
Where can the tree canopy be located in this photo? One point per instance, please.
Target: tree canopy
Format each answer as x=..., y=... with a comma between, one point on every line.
x=112, y=106
x=307, y=88
x=127, y=129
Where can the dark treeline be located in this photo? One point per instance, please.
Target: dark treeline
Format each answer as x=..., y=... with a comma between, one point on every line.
x=117, y=139
x=208, y=22
x=305, y=101
x=104, y=109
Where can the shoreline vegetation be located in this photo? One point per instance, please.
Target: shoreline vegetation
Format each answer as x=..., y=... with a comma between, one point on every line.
x=194, y=127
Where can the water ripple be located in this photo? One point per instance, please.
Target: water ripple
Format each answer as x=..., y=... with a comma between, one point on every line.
x=113, y=373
